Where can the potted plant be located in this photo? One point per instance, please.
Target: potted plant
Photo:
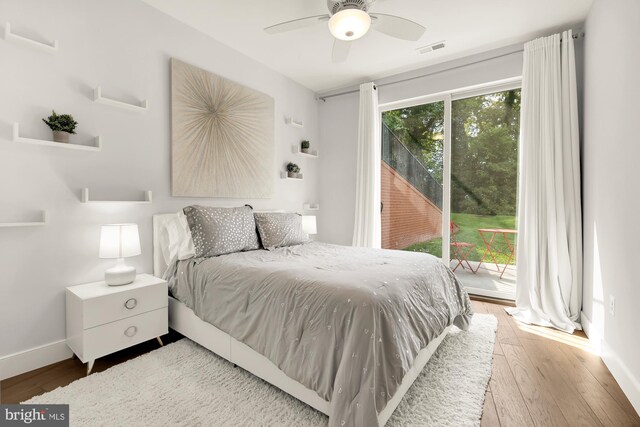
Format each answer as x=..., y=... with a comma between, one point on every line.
x=304, y=146
x=62, y=125
x=293, y=170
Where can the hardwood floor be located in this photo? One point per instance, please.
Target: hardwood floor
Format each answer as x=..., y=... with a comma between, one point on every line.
x=543, y=377
x=540, y=377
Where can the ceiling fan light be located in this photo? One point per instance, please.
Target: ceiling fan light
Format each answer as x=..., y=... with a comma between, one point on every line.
x=349, y=24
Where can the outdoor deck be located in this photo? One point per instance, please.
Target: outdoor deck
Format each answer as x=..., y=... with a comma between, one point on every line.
x=487, y=280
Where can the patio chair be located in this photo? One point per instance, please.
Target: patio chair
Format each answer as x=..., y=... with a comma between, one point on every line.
x=460, y=250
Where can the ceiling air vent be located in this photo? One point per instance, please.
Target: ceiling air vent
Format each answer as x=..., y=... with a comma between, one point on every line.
x=431, y=47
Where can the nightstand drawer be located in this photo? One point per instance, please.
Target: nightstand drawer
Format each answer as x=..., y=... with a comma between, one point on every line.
x=109, y=338
x=120, y=305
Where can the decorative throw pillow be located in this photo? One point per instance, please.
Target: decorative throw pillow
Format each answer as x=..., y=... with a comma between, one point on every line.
x=280, y=229
x=219, y=231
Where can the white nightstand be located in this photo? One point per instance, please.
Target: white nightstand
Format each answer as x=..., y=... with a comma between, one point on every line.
x=103, y=319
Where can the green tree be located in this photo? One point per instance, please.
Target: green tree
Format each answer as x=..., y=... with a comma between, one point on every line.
x=484, y=154
x=421, y=130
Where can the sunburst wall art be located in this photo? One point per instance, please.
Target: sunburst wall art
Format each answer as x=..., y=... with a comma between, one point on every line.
x=222, y=136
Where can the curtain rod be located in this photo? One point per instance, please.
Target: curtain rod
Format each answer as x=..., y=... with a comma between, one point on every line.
x=324, y=98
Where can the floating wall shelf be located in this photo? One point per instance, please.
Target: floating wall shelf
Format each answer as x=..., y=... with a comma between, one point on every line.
x=84, y=197
x=9, y=36
x=311, y=153
x=97, y=97
x=27, y=224
x=284, y=175
x=311, y=207
x=295, y=123
x=18, y=138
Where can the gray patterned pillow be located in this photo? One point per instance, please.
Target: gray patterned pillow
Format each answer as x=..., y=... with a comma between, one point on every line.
x=219, y=231
x=280, y=229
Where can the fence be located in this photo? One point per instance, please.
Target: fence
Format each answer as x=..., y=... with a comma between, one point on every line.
x=397, y=156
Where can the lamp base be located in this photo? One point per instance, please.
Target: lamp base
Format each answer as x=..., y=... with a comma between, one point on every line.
x=120, y=275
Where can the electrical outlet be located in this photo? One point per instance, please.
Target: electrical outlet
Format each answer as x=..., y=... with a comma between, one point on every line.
x=612, y=305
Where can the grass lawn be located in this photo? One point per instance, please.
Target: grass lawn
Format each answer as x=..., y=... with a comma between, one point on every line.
x=469, y=225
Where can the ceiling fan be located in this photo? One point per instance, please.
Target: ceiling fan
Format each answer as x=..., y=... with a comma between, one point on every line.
x=349, y=20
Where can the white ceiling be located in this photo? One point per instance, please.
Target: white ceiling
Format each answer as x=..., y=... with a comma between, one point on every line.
x=468, y=26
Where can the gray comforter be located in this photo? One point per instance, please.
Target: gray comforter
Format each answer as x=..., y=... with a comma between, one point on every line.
x=345, y=322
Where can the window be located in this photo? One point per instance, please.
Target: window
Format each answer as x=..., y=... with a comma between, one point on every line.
x=462, y=186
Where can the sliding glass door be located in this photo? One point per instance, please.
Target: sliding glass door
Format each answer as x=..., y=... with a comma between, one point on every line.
x=412, y=178
x=449, y=179
x=484, y=188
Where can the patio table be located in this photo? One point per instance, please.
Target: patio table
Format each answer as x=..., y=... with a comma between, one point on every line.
x=491, y=248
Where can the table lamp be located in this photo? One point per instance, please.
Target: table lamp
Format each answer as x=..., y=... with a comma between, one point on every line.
x=119, y=241
x=309, y=224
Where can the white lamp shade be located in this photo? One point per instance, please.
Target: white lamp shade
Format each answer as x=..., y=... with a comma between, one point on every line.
x=119, y=241
x=309, y=224
x=349, y=24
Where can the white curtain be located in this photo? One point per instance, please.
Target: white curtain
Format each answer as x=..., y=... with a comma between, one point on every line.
x=366, y=231
x=549, y=260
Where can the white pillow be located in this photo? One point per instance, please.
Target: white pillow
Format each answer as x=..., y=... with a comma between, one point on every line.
x=186, y=249
x=163, y=244
x=178, y=239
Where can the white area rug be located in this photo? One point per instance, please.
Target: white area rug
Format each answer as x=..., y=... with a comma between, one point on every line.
x=184, y=384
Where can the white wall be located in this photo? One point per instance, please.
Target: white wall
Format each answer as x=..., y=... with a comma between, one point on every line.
x=611, y=178
x=339, y=126
x=339, y=133
x=125, y=46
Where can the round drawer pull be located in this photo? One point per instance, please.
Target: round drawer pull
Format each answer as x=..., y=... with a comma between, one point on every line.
x=131, y=331
x=131, y=303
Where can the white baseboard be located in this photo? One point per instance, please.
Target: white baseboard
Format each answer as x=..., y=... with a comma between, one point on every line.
x=28, y=360
x=628, y=383
x=586, y=323
x=592, y=333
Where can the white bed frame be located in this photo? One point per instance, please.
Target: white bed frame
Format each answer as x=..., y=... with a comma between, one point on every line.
x=183, y=320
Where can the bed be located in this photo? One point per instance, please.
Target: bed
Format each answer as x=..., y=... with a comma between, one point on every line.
x=341, y=329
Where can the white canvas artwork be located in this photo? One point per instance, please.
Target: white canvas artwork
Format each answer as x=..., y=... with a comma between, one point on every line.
x=222, y=136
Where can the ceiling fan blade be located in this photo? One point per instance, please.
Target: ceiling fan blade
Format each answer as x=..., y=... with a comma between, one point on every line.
x=397, y=27
x=295, y=24
x=340, y=50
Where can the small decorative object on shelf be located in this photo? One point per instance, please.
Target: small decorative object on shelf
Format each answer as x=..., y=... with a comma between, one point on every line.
x=293, y=170
x=304, y=146
x=62, y=126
